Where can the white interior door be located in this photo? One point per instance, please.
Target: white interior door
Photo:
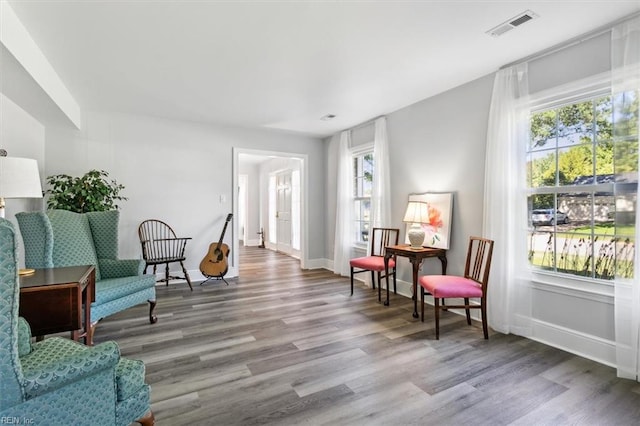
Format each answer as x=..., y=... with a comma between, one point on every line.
x=283, y=211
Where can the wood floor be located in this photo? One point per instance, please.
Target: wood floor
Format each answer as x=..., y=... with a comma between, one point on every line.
x=284, y=346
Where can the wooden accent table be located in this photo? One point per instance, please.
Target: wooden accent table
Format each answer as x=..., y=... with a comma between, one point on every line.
x=51, y=301
x=416, y=256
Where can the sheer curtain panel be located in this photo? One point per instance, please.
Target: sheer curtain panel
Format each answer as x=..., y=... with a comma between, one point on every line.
x=381, y=194
x=625, y=62
x=344, y=208
x=504, y=215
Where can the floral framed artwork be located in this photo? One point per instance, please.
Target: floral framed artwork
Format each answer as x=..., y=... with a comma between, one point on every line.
x=437, y=232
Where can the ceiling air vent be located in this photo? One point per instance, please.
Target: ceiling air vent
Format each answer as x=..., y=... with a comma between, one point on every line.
x=510, y=24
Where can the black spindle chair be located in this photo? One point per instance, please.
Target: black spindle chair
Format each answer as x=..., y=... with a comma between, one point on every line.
x=161, y=246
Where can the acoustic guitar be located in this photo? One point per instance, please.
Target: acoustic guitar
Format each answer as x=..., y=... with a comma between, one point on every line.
x=215, y=263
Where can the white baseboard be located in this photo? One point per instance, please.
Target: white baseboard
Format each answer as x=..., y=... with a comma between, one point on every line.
x=320, y=264
x=578, y=343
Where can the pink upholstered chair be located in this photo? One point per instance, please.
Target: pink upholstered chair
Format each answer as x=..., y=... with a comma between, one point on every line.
x=472, y=285
x=380, y=238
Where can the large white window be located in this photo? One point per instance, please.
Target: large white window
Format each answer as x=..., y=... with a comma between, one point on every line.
x=362, y=191
x=582, y=176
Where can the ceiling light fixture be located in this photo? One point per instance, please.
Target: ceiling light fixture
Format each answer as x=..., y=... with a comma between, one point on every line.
x=512, y=23
x=328, y=117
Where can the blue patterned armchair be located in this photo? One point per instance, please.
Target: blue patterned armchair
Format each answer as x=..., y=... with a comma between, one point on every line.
x=59, y=381
x=60, y=238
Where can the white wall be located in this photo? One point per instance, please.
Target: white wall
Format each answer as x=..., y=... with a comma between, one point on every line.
x=175, y=171
x=438, y=144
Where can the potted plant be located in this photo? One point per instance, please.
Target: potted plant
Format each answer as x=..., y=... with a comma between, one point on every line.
x=92, y=192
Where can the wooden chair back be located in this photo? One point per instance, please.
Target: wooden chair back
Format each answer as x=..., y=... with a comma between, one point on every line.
x=381, y=238
x=159, y=242
x=478, y=264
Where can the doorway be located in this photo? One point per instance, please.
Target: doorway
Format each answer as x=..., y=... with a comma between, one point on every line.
x=283, y=210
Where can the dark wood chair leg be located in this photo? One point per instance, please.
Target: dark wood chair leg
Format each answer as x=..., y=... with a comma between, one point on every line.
x=166, y=273
x=422, y=303
x=468, y=311
x=147, y=420
x=483, y=310
x=352, y=280
x=152, y=318
x=186, y=275
x=373, y=279
x=436, y=305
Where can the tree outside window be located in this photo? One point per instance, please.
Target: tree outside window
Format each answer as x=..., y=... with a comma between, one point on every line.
x=582, y=175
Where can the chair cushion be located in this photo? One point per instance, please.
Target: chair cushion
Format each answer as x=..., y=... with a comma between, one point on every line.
x=371, y=263
x=445, y=286
x=129, y=377
x=116, y=288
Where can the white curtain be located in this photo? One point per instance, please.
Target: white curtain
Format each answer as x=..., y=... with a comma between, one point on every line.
x=344, y=207
x=381, y=194
x=625, y=61
x=504, y=215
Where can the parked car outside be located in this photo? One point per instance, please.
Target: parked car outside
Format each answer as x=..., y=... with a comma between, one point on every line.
x=548, y=217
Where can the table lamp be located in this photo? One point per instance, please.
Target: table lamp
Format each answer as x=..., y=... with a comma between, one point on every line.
x=417, y=213
x=19, y=178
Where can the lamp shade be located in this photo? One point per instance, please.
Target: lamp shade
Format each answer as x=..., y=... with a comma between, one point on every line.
x=417, y=212
x=19, y=178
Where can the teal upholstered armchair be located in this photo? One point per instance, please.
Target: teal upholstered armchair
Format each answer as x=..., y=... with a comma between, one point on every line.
x=58, y=381
x=62, y=238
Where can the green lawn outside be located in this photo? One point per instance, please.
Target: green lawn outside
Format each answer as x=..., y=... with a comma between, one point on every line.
x=603, y=229
x=573, y=254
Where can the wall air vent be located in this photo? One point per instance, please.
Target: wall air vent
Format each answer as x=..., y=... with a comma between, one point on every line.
x=512, y=23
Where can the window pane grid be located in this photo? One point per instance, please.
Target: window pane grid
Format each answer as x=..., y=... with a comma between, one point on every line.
x=362, y=189
x=582, y=179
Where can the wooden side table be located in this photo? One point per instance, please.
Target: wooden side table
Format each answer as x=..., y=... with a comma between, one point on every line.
x=416, y=256
x=51, y=300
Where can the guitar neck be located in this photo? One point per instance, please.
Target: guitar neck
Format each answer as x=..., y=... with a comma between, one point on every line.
x=224, y=230
x=222, y=235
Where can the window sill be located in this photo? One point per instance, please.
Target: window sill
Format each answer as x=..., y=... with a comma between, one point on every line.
x=360, y=248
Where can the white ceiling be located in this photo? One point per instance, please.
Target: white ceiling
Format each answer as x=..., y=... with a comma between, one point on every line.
x=285, y=64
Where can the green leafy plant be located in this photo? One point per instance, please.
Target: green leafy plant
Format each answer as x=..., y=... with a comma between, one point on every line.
x=93, y=192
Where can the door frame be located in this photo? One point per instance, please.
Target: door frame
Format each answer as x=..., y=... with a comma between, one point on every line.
x=244, y=198
x=304, y=199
